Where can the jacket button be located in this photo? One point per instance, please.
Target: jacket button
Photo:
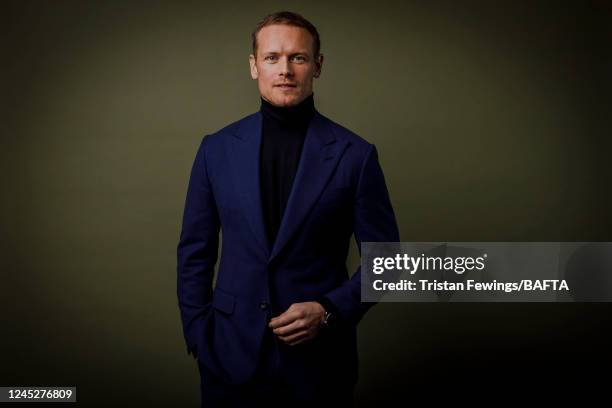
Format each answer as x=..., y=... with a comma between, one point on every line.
x=263, y=305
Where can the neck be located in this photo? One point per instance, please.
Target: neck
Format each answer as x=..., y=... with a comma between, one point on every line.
x=297, y=115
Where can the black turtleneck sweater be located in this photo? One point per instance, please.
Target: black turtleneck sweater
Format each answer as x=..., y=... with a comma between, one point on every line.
x=283, y=133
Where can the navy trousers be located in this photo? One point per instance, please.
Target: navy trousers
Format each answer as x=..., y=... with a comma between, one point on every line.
x=267, y=386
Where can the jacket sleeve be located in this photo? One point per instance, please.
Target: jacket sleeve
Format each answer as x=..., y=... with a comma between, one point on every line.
x=197, y=252
x=373, y=221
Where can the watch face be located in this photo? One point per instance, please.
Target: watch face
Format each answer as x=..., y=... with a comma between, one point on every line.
x=328, y=319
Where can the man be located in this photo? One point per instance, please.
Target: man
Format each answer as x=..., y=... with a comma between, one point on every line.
x=287, y=187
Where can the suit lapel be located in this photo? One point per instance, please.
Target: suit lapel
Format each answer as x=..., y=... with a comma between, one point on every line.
x=245, y=157
x=320, y=155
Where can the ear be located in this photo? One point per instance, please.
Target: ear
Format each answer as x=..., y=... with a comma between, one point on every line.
x=319, y=65
x=253, y=64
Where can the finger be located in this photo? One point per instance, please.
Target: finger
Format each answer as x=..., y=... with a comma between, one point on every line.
x=297, y=325
x=294, y=337
x=284, y=319
x=299, y=341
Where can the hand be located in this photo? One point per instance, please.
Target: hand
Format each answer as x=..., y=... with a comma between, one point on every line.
x=301, y=322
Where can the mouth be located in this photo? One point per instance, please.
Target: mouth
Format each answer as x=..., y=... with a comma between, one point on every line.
x=285, y=86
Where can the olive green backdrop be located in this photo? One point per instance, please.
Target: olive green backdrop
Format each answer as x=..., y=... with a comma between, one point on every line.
x=491, y=121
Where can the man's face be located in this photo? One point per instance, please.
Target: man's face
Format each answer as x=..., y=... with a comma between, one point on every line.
x=285, y=65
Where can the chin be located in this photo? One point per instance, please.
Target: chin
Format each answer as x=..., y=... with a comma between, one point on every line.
x=285, y=102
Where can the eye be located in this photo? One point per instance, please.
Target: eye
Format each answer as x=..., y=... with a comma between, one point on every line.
x=270, y=57
x=299, y=58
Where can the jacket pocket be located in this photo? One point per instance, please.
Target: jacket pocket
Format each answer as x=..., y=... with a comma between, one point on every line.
x=223, y=301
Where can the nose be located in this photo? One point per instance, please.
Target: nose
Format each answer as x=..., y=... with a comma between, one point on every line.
x=285, y=67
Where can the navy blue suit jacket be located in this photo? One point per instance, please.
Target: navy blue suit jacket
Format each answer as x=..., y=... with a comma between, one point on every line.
x=339, y=190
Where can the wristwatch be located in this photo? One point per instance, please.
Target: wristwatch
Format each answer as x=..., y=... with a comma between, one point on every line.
x=328, y=319
x=331, y=316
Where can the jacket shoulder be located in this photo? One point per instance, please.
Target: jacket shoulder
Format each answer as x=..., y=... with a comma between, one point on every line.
x=228, y=130
x=341, y=132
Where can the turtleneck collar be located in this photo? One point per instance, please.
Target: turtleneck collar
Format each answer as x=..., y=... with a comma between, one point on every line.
x=298, y=115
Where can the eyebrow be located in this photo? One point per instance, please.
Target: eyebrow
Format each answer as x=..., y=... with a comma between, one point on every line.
x=294, y=53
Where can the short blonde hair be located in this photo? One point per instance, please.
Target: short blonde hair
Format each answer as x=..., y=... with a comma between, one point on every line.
x=287, y=18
